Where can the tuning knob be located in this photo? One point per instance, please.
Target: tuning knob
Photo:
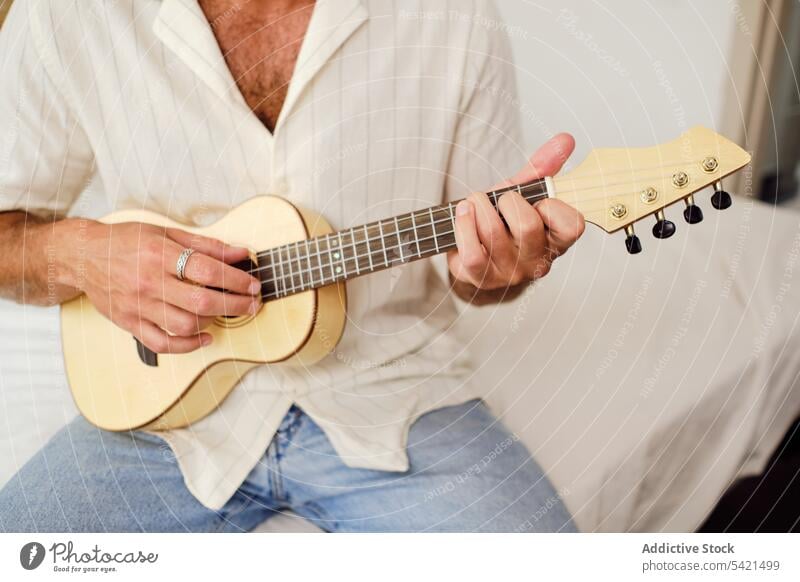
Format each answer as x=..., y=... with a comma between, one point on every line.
x=692, y=213
x=632, y=242
x=720, y=199
x=664, y=228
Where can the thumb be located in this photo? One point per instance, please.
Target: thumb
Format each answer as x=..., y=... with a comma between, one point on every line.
x=546, y=161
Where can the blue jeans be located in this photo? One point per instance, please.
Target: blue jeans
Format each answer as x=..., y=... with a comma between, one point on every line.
x=467, y=473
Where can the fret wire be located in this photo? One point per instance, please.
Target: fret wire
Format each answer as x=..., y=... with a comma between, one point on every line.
x=383, y=243
x=341, y=255
x=308, y=262
x=281, y=268
x=279, y=256
x=319, y=260
x=369, y=248
x=433, y=228
x=291, y=273
x=330, y=256
x=399, y=241
x=282, y=263
x=355, y=250
x=282, y=254
x=299, y=266
x=272, y=268
x=414, y=228
x=453, y=221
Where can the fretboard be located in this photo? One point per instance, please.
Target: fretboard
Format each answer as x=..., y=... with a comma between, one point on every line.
x=352, y=252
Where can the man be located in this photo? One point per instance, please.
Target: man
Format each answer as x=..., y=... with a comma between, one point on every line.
x=358, y=109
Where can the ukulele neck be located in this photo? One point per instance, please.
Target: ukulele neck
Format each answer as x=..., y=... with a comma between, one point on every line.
x=345, y=254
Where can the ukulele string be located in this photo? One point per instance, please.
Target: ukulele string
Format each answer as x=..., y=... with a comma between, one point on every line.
x=318, y=254
x=605, y=195
x=268, y=254
x=528, y=186
x=327, y=280
x=661, y=166
x=531, y=198
x=286, y=261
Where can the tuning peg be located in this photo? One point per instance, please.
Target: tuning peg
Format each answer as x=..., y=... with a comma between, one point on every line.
x=663, y=228
x=692, y=213
x=720, y=199
x=632, y=242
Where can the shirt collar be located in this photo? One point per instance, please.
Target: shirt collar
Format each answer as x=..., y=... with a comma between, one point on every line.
x=182, y=26
x=332, y=23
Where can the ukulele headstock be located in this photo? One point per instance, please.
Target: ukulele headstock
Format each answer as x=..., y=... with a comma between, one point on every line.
x=616, y=187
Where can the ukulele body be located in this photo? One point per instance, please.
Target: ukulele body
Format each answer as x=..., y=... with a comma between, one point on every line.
x=115, y=389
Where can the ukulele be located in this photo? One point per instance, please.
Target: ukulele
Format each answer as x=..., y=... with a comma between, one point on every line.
x=119, y=384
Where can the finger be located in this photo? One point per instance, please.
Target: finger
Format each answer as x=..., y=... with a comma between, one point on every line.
x=211, y=272
x=161, y=342
x=546, y=161
x=208, y=302
x=208, y=246
x=493, y=234
x=473, y=263
x=525, y=224
x=175, y=320
x=564, y=224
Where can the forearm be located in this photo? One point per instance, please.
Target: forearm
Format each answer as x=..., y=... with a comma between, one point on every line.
x=35, y=266
x=472, y=294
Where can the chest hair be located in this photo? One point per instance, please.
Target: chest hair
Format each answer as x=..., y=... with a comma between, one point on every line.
x=260, y=40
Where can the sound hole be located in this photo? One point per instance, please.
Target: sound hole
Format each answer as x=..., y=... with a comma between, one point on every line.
x=246, y=265
x=150, y=358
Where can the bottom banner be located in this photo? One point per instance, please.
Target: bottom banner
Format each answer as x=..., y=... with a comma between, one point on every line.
x=401, y=556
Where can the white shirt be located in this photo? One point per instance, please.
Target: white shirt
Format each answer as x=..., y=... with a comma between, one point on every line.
x=392, y=107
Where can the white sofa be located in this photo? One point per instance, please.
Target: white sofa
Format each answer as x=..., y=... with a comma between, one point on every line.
x=643, y=384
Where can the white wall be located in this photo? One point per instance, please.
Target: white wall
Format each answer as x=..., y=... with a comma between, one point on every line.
x=619, y=72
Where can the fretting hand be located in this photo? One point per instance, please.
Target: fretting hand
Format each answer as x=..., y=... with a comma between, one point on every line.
x=492, y=258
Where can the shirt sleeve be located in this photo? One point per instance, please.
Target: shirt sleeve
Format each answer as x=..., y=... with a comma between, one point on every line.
x=45, y=156
x=487, y=145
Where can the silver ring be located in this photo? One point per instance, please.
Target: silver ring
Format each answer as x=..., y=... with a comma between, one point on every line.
x=180, y=266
